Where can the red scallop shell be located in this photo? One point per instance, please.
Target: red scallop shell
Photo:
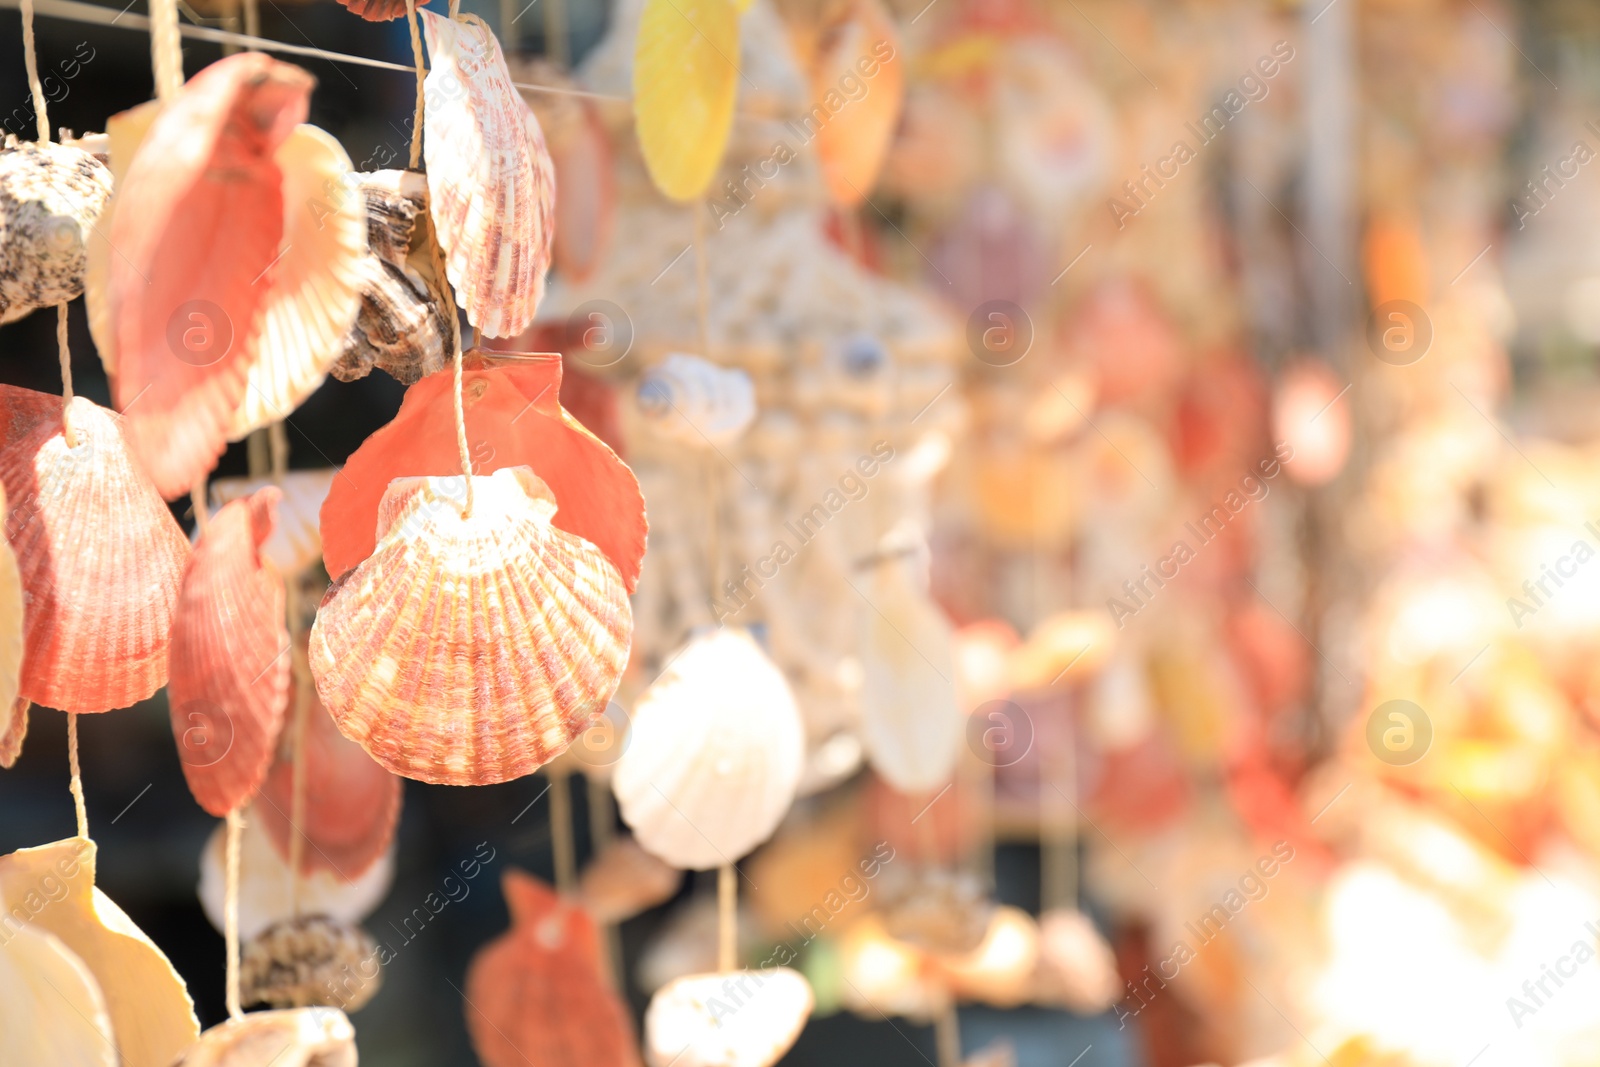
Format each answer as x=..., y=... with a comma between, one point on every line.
x=376, y=10
x=514, y=418
x=230, y=657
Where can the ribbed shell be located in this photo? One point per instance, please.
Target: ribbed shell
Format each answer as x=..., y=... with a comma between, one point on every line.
x=310, y=960
x=747, y=1019
x=100, y=555
x=695, y=402
x=491, y=183
x=296, y=542
x=125, y=132
x=229, y=677
x=295, y=1037
x=51, y=1008
x=50, y=196
x=467, y=651
x=714, y=755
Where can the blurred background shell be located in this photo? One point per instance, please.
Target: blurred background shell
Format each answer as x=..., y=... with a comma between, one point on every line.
x=695, y=403
x=310, y=960
x=746, y=1018
x=50, y=197
x=293, y=1037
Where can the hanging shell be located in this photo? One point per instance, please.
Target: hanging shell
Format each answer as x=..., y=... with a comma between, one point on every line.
x=150, y=1011
x=853, y=143
x=299, y=1037
x=536, y=993
x=1000, y=970
x=198, y=223
x=490, y=179
x=1077, y=969
x=310, y=961
x=585, y=173
x=16, y=731
x=624, y=880
x=886, y=976
x=685, y=79
x=50, y=197
x=403, y=325
x=13, y=710
x=100, y=555
x=467, y=651
x=51, y=1008
x=230, y=664
x=125, y=132
x=513, y=418
x=695, y=402
x=937, y=911
x=740, y=1019
x=715, y=753
x=295, y=542
x=375, y=10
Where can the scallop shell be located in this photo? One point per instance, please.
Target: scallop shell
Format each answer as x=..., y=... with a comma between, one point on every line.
x=514, y=418
x=50, y=197
x=125, y=132
x=16, y=731
x=199, y=221
x=151, y=1013
x=580, y=151
x=100, y=555
x=315, y=282
x=295, y=542
x=375, y=10
x=298, y=1037
x=51, y=1008
x=1077, y=969
x=310, y=961
x=536, y=993
x=853, y=143
x=685, y=79
x=624, y=879
x=1000, y=970
x=12, y=630
x=403, y=326
x=490, y=179
x=230, y=664
x=740, y=1019
x=715, y=753
x=695, y=402
x=471, y=650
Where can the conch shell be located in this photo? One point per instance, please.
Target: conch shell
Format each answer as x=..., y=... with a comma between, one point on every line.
x=51, y=1008
x=714, y=755
x=297, y=1037
x=624, y=880
x=739, y=1019
x=50, y=196
x=295, y=542
x=491, y=183
x=308, y=961
x=471, y=649
x=100, y=555
x=695, y=402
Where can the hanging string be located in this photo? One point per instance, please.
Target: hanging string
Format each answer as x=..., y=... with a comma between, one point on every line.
x=461, y=414
x=197, y=500
x=561, y=843
x=252, y=21
x=166, y=51
x=416, y=57
x=727, y=918
x=455, y=8
x=555, y=33
x=947, y=1035
x=77, y=776
x=702, y=288
x=230, y=912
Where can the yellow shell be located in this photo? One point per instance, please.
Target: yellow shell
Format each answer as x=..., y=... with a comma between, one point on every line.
x=471, y=650
x=739, y=1019
x=51, y=1008
x=297, y=1037
x=685, y=79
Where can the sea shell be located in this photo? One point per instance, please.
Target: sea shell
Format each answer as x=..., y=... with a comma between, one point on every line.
x=403, y=326
x=853, y=141
x=685, y=79
x=491, y=181
x=12, y=630
x=297, y=1037
x=295, y=542
x=100, y=555
x=623, y=880
x=230, y=664
x=264, y=884
x=1000, y=970
x=937, y=911
x=375, y=10
x=536, y=994
x=310, y=961
x=51, y=1008
x=199, y=221
x=514, y=418
x=125, y=132
x=695, y=402
x=883, y=976
x=715, y=753
x=584, y=172
x=1077, y=968
x=1079, y=642
x=53, y=885
x=50, y=197
x=315, y=283
x=471, y=650
x=16, y=731
x=739, y=1019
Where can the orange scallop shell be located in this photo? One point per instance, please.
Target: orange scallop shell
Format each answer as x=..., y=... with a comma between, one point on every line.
x=198, y=223
x=471, y=650
x=854, y=142
x=375, y=10
x=100, y=555
x=587, y=207
x=536, y=993
x=230, y=661
x=514, y=418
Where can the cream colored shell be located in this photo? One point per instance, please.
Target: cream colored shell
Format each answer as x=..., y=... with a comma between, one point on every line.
x=51, y=1008
x=738, y=1019
x=297, y=1037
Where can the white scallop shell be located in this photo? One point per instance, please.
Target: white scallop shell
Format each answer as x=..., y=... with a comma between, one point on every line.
x=738, y=1019
x=695, y=402
x=714, y=755
x=296, y=542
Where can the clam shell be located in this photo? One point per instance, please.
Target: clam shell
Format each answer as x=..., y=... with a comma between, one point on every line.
x=295, y=542
x=100, y=555
x=50, y=197
x=685, y=80
x=715, y=753
x=310, y=961
x=472, y=650
x=51, y=1008
x=125, y=132
x=491, y=183
x=624, y=880
x=199, y=221
x=229, y=676
x=315, y=282
x=298, y=1037
x=695, y=402
x=741, y=1019
x=853, y=143
x=536, y=993
x=514, y=418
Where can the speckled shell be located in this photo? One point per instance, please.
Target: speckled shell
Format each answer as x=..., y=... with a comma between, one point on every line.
x=624, y=879
x=695, y=402
x=466, y=651
x=13, y=711
x=491, y=183
x=50, y=196
x=229, y=678
x=51, y=1008
x=296, y=1037
x=296, y=541
x=744, y=1019
x=715, y=753
x=310, y=961
x=100, y=555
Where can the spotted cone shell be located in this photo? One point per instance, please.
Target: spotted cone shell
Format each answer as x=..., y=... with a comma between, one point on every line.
x=491, y=182
x=50, y=196
x=310, y=960
x=230, y=657
x=295, y=1037
x=100, y=556
x=471, y=650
